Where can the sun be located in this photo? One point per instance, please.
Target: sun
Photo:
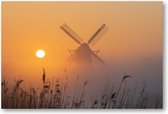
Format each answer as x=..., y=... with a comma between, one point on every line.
x=40, y=53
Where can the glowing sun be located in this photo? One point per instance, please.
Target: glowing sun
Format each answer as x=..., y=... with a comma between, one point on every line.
x=40, y=53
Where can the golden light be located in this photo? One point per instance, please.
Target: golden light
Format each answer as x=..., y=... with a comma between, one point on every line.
x=40, y=53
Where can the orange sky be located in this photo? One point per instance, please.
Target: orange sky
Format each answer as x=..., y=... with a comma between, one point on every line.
x=135, y=33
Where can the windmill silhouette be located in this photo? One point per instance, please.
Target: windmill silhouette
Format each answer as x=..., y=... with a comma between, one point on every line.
x=83, y=55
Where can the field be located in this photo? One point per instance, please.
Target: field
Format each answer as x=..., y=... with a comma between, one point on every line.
x=54, y=94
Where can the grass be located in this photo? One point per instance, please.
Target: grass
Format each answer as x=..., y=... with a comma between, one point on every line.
x=54, y=94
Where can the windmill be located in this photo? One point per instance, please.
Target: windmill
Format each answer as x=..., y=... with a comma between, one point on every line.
x=83, y=54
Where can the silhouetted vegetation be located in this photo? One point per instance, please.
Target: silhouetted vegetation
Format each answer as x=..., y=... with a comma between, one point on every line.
x=55, y=95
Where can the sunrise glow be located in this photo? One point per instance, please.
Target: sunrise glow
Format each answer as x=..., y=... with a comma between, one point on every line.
x=40, y=53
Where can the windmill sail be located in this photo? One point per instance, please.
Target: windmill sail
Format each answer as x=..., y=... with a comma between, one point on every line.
x=98, y=34
x=97, y=57
x=71, y=33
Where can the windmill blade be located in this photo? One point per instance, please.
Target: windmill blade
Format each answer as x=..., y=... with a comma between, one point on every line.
x=71, y=33
x=97, y=57
x=98, y=34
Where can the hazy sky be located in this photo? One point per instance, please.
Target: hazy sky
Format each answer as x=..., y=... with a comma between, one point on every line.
x=132, y=45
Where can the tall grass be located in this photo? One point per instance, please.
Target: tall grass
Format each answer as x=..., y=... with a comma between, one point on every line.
x=54, y=94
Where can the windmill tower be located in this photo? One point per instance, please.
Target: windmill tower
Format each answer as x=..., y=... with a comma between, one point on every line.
x=83, y=56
